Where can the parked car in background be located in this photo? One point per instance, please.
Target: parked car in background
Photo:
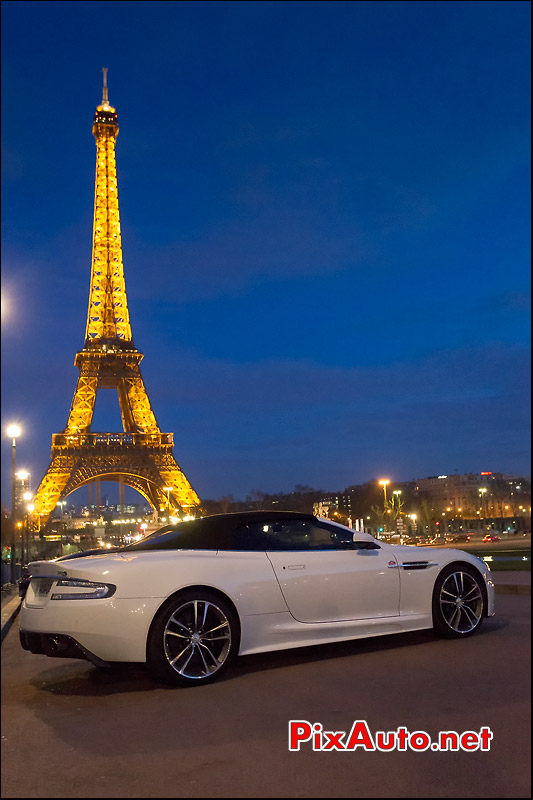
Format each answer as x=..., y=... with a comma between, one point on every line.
x=460, y=537
x=24, y=581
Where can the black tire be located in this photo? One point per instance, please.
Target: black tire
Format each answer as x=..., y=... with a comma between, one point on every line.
x=193, y=639
x=459, y=601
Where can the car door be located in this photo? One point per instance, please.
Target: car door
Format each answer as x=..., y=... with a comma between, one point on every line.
x=325, y=577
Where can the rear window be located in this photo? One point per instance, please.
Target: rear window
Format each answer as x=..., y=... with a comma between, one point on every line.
x=192, y=535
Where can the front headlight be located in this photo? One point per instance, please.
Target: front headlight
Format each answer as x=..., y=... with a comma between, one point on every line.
x=86, y=590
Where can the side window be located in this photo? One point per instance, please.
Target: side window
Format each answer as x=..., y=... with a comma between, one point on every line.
x=298, y=534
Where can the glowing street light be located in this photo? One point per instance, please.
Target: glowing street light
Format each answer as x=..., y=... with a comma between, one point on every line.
x=30, y=508
x=482, y=493
x=384, y=482
x=168, y=489
x=13, y=431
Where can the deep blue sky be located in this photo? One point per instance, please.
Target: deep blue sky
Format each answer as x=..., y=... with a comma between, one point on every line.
x=326, y=231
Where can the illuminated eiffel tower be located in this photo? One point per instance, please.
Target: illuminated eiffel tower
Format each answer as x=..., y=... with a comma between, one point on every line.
x=141, y=456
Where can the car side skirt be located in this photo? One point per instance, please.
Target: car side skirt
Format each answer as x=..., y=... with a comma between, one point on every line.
x=261, y=633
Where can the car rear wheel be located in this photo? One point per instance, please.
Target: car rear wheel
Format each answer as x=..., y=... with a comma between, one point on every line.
x=193, y=639
x=458, y=601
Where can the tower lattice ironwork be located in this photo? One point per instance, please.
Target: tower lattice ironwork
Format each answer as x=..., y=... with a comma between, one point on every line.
x=141, y=456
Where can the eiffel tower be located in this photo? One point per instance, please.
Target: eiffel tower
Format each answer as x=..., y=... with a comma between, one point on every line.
x=141, y=456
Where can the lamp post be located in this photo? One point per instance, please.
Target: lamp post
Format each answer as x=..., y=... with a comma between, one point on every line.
x=61, y=504
x=22, y=476
x=29, y=508
x=397, y=508
x=482, y=493
x=397, y=493
x=13, y=432
x=384, y=483
x=168, y=489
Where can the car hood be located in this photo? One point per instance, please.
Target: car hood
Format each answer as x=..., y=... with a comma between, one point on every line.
x=441, y=556
x=409, y=552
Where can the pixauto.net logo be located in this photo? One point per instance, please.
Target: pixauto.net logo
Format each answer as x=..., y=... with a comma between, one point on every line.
x=303, y=732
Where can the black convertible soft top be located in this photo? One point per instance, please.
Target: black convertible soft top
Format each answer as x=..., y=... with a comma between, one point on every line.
x=238, y=531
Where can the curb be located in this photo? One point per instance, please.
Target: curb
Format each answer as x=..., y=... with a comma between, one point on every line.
x=512, y=588
x=9, y=613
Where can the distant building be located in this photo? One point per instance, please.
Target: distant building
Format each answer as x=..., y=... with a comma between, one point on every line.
x=335, y=506
x=486, y=494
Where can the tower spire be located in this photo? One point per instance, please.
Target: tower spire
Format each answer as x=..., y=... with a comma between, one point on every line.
x=105, y=98
x=108, y=317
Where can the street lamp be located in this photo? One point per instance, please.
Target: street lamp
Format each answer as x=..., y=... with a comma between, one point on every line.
x=23, y=476
x=13, y=432
x=482, y=493
x=168, y=489
x=397, y=493
x=61, y=503
x=29, y=509
x=384, y=483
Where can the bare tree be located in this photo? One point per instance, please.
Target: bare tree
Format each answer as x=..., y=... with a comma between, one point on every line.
x=226, y=502
x=256, y=498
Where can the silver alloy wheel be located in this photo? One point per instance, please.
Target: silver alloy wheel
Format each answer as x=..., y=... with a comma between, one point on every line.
x=197, y=639
x=461, y=602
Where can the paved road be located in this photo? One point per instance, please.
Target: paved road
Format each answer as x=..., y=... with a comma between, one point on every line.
x=70, y=730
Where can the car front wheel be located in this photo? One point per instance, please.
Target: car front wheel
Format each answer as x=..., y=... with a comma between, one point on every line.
x=193, y=639
x=458, y=601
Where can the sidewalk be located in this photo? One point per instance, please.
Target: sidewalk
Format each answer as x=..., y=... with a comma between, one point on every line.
x=10, y=609
x=510, y=582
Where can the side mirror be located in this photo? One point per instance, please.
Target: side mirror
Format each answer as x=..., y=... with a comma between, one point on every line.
x=365, y=545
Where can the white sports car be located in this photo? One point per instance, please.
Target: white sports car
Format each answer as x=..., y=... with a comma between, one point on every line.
x=186, y=600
